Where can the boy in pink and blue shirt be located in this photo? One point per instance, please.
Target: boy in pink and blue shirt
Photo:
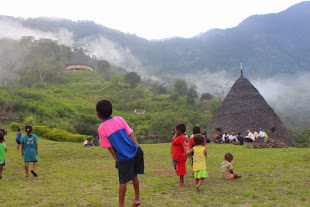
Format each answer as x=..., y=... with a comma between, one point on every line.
x=117, y=136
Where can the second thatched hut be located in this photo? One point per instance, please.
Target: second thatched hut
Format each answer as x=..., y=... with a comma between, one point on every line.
x=245, y=109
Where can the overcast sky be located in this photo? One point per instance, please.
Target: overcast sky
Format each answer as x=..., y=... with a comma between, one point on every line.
x=151, y=19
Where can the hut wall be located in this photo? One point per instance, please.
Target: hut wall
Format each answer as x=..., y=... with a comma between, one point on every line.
x=79, y=67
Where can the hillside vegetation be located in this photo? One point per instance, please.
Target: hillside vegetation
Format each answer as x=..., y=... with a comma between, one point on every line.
x=70, y=105
x=73, y=175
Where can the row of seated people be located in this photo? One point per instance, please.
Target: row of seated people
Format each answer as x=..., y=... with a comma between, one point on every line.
x=226, y=138
x=90, y=142
x=256, y=135
x=238, y=140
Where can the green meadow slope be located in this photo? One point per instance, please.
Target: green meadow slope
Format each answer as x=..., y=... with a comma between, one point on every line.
x=70, y=104
x=73, y=175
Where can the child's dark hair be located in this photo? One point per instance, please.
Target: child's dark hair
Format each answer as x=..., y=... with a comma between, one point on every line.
x=2, y=131
x=198, y=139
x=228, y=155
x=104, y=108
x=181, y=127
x=196, y=130
x=18, y=129
x=239, y=133
x=1, y=137
x=28, y=128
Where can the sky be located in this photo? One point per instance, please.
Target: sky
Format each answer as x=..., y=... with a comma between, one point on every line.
x=151, y=19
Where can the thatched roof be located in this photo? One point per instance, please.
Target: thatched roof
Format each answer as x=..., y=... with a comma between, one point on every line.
x=80, y=58
x=245, y=109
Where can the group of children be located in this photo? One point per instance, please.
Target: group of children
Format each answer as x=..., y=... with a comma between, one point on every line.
x=115, y=135
x=197, y=155
x=29, y=149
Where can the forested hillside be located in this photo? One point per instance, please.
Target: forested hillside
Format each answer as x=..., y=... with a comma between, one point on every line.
x=35, y=89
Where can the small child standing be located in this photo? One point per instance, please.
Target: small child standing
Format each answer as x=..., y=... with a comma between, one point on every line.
x=115, y=134
x=3, y=150
x=199, y=160
x=227, y=168
x=179, y=152
x=29, y=143
x=196, y=130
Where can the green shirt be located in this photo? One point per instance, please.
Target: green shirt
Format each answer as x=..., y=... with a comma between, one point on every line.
x=266, y=136
x=2, y=152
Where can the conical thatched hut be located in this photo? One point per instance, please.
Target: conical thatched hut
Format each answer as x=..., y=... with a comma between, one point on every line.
x=245, y=109
x=79, y=62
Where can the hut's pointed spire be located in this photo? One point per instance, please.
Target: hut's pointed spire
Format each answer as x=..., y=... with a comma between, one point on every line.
x=241, y=67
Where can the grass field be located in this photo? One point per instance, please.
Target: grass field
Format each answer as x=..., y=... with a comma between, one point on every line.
x=73, y=175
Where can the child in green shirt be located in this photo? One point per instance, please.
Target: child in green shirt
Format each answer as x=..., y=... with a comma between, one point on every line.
x=3, y=149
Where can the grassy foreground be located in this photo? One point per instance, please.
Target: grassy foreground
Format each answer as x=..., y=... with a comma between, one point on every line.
x=73, y=175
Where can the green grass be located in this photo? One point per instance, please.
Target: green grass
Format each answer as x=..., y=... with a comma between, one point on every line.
x=73, y=175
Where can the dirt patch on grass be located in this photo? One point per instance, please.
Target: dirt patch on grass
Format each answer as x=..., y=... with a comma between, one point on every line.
x=163, y=172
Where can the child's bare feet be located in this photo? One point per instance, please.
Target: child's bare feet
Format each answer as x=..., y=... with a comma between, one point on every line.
x=34, y=173
x=136, y=203
x=179, y=185
x=198, y=188
x=0, y=177
x=26, y=175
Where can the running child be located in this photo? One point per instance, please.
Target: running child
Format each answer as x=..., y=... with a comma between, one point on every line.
x=179, y=152
x=227, y=168
x=3, y=150
x=117, y=136
x=29, y=148
x=196, y=130
x=199, y=153
x=18, y=136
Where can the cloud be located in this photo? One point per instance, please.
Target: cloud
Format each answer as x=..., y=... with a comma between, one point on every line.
x=288, y=95
x=106, y=49
x=213, y=83
x=15, y=30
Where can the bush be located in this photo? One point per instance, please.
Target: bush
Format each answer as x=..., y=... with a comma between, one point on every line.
x=57, y=134
x=15, y=126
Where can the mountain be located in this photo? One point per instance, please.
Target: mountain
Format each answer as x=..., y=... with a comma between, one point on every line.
x=267, y=45
x=274, y=50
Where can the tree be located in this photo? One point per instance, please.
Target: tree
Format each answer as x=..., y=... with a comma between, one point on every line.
x=133, y=79
x=158, y=88
x=104, y=67
x=191, y=94
x=162, y=125
x=180, y=87
x=206, y=96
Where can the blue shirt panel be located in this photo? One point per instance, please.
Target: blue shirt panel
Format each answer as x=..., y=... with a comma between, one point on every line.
x=125, y=149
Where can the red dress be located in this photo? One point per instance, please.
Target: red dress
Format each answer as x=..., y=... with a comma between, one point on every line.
x=179, y=154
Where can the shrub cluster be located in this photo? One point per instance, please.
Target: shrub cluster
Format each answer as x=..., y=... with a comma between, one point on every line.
x=57, y=134
x=14, y=126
